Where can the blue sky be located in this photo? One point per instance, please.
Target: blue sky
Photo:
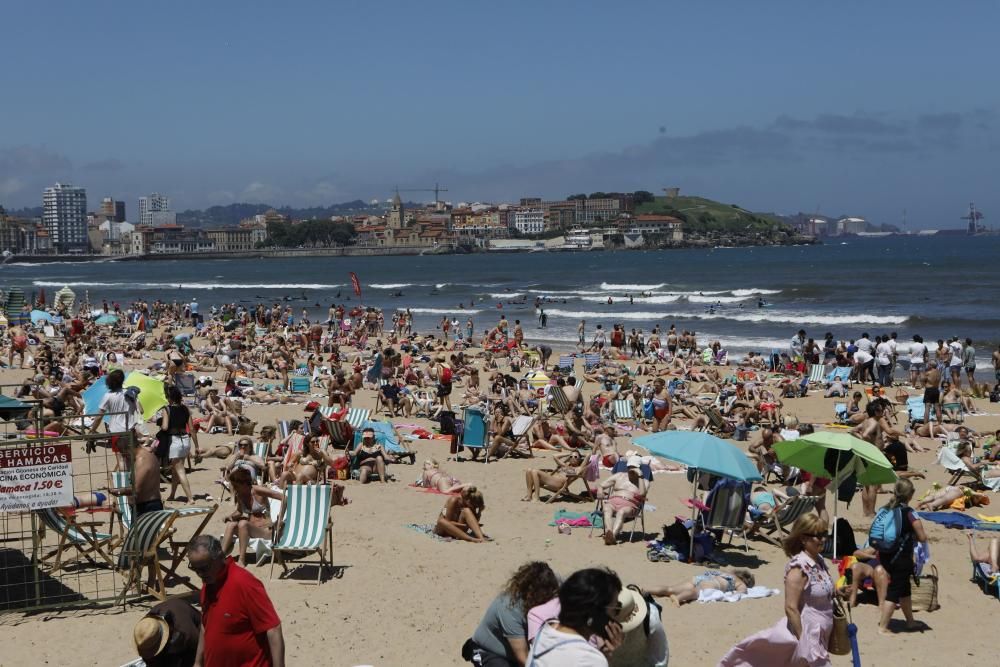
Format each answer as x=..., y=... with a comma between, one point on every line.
x=849, y=107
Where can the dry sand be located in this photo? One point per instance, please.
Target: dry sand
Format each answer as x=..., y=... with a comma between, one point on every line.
x=406, y=599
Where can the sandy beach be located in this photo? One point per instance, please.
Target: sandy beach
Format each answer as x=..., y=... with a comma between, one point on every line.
x=404, y=598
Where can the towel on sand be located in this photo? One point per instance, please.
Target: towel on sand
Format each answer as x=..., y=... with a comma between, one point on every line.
x=713, y=595
x=578, y=519
x=949, y=519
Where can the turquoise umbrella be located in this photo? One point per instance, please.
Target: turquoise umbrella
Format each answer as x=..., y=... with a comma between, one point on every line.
x=40, y=316
x=704, y=453
x=106, y=320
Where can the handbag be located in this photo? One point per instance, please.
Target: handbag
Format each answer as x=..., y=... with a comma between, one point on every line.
x=839, y=642
x=924, y=594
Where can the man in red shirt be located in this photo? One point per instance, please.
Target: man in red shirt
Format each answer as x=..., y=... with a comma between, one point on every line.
x=239, y=627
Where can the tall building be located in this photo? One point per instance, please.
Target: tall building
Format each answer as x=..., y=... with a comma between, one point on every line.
x=113, y=210
x=148, y=205
x=64, y=214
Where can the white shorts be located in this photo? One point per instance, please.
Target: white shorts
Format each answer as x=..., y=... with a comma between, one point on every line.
x=180, y=446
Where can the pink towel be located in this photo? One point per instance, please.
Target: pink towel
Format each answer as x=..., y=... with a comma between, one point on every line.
x=582, y=522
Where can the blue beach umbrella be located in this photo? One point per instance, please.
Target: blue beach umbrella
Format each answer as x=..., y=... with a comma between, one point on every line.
x=40, y=316
x=106, y=320
x=92, y=396
x=704, y=453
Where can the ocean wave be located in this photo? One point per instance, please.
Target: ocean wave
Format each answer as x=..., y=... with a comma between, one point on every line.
x=445, y=311
x=769, y=316
x=694, y=298
x=640, y=288
x=184, y=285
x=440, y=285
x=754, y=291
x=661, y=298
x=506, y=295
x=389, y=285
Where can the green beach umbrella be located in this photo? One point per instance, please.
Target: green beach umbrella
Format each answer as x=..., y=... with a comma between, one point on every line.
x=151, y=395
x=814, y=454
x=836, y=455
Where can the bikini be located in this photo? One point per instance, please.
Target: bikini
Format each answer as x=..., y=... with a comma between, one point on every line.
x=715, y=574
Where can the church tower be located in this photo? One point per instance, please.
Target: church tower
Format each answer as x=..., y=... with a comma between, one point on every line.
x=396, y=215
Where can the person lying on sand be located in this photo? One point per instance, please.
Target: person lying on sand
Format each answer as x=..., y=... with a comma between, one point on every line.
x=739, y=581
x=433, y=477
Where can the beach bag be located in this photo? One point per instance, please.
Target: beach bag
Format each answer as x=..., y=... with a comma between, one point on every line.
x=925, y=593
x=886, y=532
x=839, y=642
x=995, y=394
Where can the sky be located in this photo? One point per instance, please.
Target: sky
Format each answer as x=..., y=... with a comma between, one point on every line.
x=855, y=108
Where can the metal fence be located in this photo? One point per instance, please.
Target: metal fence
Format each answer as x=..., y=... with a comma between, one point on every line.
x=63, y=555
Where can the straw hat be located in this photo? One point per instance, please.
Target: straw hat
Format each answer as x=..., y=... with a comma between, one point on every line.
x=634, y=609
x=634, y=462
x=150, y=635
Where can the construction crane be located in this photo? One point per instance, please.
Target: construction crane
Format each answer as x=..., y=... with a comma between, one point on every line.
x=437, y=189
x=974, y=217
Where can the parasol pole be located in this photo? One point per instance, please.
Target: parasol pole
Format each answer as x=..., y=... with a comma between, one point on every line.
x=835, y=498
x=694, y=510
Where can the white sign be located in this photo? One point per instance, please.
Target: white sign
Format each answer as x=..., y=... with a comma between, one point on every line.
x=34, y=477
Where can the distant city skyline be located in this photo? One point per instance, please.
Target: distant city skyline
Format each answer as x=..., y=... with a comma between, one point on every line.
x=853, y=109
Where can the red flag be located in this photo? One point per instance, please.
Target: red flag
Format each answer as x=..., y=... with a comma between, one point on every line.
x=356, y=283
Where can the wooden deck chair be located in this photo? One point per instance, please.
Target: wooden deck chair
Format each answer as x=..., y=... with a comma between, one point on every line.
x=122, y=507
x=262, y=450
x=261, y=546
x=519, y=429
x=75, y=536
x=305, y=525
x=950, y=461
x=727, y=510
x=148, y=534
x=717, y=424
x=623, y=410
x=782, y=516
x=565, y=363
x=558, y=401
x=339, y=430
x=564, y=490
x=817, y=373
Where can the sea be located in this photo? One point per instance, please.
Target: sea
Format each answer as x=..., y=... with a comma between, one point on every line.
x=935, y=286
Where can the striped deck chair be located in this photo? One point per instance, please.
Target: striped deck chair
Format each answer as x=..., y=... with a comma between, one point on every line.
x=122, y=504
x=565, y=363
x=558, y=401
x=727, y=510
x=305, y=524
x=79, y=537
x=623, y=410
x=782, y=516
x=817, y=372
x=591, y=360
x=148, y=534
x=339, y=430
x=717, y=424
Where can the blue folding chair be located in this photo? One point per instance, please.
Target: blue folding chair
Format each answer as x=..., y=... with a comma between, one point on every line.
x=475, y=432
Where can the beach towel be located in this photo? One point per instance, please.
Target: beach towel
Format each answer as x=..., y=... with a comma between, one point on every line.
x=755, y=593
x=948, y=519
x=428, y=529
x=427, y=490
x=565, y=516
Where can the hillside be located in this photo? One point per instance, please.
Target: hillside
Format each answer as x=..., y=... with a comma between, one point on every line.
x=706, y=215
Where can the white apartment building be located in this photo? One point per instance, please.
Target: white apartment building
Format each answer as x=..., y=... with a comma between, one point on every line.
x=529, y=221
x=151, y=204
x=64, y=214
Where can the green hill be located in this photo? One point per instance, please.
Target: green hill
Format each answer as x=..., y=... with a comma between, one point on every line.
x=704, y=215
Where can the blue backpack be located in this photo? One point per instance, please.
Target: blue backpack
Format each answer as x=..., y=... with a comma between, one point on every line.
x=886, y=534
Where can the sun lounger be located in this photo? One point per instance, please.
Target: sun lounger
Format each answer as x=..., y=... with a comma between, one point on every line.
x=565, y=363
x=305, y=525
x=843, y=373
x=816, y=373
x=558, y=401
x=950, y=461
x=591, y=360
x=623, y=410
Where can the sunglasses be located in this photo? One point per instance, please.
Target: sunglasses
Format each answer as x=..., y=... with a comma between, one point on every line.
x=818, y=536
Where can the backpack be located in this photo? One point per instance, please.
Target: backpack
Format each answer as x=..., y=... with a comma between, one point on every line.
x=886, y=533
x=446, y=375
x=995, y=394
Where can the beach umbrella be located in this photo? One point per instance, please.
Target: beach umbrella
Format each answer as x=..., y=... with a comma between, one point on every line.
x=837, y=456
x=106, y=320
x=151, y=395
x=40, y=316
x=703, y=453
x=64, y=299
x=537, y=380
x=93, y=394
